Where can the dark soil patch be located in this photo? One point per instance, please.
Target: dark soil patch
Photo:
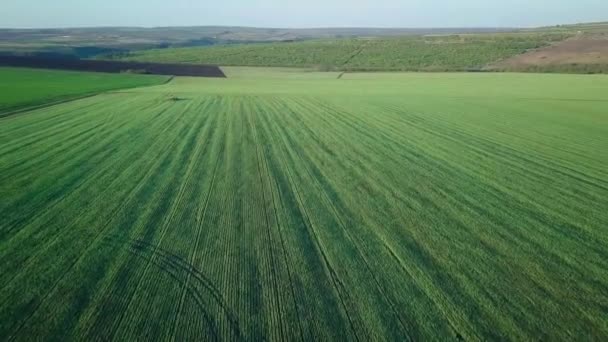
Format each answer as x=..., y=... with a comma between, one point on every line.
x=112, y=66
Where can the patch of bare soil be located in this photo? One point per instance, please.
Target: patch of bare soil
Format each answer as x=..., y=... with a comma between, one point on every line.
x=574, y=51
x=112, y=66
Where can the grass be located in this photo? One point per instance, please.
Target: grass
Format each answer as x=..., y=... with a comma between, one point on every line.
x=414, y=53
x=371, y=207
x=31, y=87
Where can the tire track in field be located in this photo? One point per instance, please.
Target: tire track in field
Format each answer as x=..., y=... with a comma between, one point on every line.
x=308, y=222
x=65, y=121
x=188, y=130
x=193, y=161
x=242, y=241
x=313, y=329
x=30, y=108
x=65, y=231
x=54, y=122
x=506, y=152
x=221, y=241
x=185, y=149
x=136, y=187
x=200, y=217
x=285, y=253
x=575, y=278
x=6, y=176
x=49, y=156
x=481, y=213
x=98, y=236
x=385, y=244
x=432, y=297
x=172, y=263
x=218, y=238
x=444, y=169
x=576, y=146
x=329, y=203
x=76, y=185
x=272, y=257
x=59, y=119
x=505, y=158
x=113, y=180
x=16, y=161
x=448, y=313
x=42, y=121
x=436, y=208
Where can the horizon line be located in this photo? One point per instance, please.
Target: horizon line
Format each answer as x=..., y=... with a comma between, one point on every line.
x=301, y=28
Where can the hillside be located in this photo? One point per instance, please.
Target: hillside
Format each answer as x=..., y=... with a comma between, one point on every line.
x=340, y=49
x=580, y=54
x=412, y=53
x=88, y=42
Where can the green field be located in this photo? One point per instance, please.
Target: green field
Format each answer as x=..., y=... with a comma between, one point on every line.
x=295, y=206
x=410, y=53
x=31, y=87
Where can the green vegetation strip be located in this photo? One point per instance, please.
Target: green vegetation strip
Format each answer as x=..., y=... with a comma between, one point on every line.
x=22, y=88
x=414, y=53
x=371, y=207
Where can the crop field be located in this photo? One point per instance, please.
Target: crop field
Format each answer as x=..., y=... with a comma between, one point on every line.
x=21, y=87
x=414, y=53
x=294, y=206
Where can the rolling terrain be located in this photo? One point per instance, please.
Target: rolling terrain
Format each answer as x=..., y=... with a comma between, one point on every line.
x=577, y=48
x=416, y=53
x=285, y=205
x=88, y=42
x=579, y=54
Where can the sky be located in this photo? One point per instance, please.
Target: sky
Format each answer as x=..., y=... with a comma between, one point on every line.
x=300, y=14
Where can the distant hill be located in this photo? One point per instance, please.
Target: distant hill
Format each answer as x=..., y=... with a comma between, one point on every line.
x=453, y=52
x=374, y=49
x=88, y=42
x=175, y=35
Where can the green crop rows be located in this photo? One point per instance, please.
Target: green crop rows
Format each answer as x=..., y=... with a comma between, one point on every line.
x=21, y=88
x=373, y=207
x=428, y=53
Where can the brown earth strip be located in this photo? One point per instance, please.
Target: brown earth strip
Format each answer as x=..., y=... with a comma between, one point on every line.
x=112, y=66
x=581, y=52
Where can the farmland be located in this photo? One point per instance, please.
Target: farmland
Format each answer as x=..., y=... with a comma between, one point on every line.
x=28, y=87
x=292, y=205
x=409, y=53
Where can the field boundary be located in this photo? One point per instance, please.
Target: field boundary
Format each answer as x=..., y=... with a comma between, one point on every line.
x=175, y=69
x=61, y=100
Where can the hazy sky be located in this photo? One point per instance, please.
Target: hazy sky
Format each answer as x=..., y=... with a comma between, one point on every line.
x=301, y=13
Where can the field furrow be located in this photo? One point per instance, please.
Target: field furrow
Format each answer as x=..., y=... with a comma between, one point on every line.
x=366, y=208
